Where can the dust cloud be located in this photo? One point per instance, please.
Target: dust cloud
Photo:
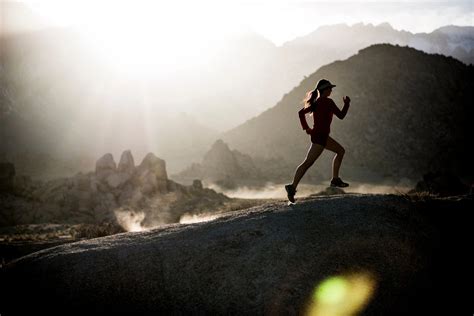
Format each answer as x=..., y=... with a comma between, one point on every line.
x=197, y=218
x=277, y=191
x=130, y=220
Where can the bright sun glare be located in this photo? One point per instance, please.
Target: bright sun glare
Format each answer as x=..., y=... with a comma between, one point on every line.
x=145, y=35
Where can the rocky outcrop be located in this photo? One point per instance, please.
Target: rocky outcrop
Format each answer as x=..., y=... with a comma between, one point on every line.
x=271, y=260
x=197, y=184
x=152, y=174
x=126, y=164
x=105, y=166
x=98, y=197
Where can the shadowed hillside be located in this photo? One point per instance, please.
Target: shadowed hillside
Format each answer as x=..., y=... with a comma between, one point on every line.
x=409, y=114
x=395, y=254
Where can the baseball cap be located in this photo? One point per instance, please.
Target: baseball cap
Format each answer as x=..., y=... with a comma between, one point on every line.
x=323, y=84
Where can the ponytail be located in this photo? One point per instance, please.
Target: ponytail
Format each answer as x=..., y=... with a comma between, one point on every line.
x=310, y=100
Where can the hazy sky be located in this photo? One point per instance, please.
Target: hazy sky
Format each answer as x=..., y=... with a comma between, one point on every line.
x=277, y=20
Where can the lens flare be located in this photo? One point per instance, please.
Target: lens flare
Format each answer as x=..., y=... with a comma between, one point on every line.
x=342, y=295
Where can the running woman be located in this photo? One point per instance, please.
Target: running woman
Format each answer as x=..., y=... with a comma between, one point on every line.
x=318, y=103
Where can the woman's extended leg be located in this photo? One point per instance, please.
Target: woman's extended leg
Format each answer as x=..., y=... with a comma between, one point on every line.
x=313, y=153
x=334, y=146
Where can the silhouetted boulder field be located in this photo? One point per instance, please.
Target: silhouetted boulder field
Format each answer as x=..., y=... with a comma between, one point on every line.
x=96, y=197
x=143, y=193
x=408, y=255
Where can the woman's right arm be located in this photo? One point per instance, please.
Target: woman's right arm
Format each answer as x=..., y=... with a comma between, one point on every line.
x=301, y=114
x=341, y=113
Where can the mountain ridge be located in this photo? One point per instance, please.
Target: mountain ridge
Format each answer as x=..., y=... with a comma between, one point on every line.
x=376, y=79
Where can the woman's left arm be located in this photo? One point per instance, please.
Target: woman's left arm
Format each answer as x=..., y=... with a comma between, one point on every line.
x=301, y=114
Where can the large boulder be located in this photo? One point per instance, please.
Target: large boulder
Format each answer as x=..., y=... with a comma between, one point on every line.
x=125, y=171
x=151, y=174
x=197, y=184
x=383, y=252
x=126, y=164
x=105, y=166
x=154, y=164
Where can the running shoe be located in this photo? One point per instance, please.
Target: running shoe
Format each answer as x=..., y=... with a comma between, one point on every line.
x=337, y=182
x=290, y=192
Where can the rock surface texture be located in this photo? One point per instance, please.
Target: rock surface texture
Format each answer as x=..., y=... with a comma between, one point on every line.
x=262, y=260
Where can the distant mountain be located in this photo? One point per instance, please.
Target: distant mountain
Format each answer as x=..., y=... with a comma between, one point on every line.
x=254, y=74
x=340, y=41
x=411, y=112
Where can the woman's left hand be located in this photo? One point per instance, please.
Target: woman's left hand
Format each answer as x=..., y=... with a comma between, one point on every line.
x=346, y=99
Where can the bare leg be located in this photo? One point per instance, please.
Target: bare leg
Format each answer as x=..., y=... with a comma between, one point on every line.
x=313, y=153
x=334, y=146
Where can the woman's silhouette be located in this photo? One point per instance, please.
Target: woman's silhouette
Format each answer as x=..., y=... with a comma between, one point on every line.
x=322, y=108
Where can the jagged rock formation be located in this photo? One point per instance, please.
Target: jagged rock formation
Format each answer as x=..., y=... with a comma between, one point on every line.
x=265, y=260
x=97, y=197
x=105, y=166
x=152, y=173
x=126, y=164
x=222, y=166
